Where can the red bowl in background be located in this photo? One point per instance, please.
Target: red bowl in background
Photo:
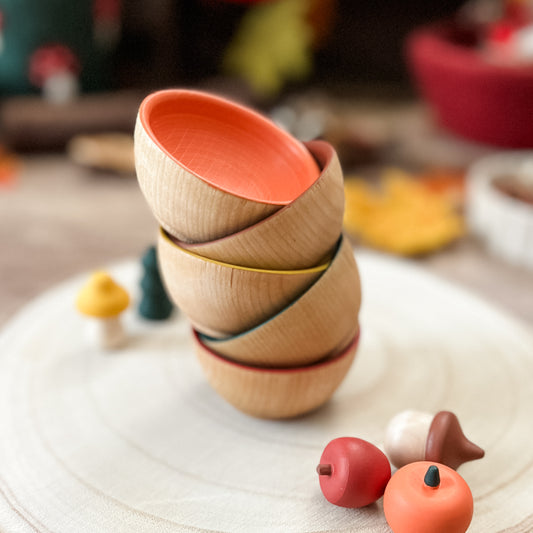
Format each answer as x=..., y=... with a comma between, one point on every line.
x=472, y=97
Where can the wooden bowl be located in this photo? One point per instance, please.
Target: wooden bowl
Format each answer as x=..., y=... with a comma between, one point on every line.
x=221, y=299
x=297, y=236
x=319, y=323
x=275, y=392
x=504, y=222
x=209, y=167
x=471, y=96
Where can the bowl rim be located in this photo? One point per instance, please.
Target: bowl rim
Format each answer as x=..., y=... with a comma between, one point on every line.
x=174, y=243
x=291, y=142
x=273, y=370
x=323, y=160
x=342, y=241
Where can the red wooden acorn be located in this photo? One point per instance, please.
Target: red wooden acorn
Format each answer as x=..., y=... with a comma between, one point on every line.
x=353, y=472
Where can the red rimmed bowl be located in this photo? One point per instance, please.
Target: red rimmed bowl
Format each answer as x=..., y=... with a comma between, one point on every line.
x=471, y=96
x=209, y=167
x=273, y=392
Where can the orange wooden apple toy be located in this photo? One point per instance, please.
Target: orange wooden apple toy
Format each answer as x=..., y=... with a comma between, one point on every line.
x=425, y=497
x=353, y=472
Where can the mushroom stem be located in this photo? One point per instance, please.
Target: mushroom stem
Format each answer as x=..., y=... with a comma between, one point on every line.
x=112, y=332
x=432, y=477
x=324, y=470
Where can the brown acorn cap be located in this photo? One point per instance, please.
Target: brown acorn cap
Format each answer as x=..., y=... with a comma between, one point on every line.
x=447, y=444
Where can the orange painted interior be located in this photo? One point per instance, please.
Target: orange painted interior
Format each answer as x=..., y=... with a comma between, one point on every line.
x=229, y=146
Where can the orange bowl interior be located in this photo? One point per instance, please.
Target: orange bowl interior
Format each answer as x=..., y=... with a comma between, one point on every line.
x=228, y=146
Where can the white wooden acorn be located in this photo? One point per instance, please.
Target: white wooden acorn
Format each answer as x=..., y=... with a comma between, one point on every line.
x=417, y=436
x=104, y=300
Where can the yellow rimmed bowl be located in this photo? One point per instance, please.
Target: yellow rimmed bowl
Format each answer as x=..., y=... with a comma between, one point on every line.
x=321, y=322
x=221, y=299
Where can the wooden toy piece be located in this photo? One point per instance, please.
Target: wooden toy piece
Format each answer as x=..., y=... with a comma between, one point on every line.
x=275, y=392
x=104, y=151
x=426, y=497
x=155, y=304
x=353, y=472
x=322, y=321
x=297, y=236
x=209, y=167
x=104, y=300
x=222, y=299
x=415, y=436
x=55, y=69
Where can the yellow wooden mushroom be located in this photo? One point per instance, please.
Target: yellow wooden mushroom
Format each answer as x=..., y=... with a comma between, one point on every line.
x=104, y=300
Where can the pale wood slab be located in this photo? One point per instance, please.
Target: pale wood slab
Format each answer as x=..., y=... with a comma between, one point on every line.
x=137, y=441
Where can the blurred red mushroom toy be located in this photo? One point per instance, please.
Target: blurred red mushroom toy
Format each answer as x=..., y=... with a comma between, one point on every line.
x=55, y=68
x=353, y=472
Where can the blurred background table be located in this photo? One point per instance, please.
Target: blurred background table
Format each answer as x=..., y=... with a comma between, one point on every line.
x=58, y=219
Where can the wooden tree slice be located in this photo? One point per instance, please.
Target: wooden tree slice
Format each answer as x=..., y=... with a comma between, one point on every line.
x=136, y=440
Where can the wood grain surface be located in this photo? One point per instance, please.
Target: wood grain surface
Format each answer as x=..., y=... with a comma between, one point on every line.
x=222, y=299
x=321, y=322
x=314, y=218
x=135, y=440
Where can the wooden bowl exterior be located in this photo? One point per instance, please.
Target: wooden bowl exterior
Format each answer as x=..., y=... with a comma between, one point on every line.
x=187, y=207
x=275, y=393
x=222, y=299
x=319, y=323
x=297, y=236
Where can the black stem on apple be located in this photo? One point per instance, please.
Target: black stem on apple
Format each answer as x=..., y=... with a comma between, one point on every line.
x=432, y=477
x=324, y=470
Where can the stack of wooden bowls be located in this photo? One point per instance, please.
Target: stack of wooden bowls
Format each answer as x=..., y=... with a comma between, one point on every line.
x=251, y=249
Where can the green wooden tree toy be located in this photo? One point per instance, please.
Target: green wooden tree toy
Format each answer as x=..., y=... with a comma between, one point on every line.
x=155, y=304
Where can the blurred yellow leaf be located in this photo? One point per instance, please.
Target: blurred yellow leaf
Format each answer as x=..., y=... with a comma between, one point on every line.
x=272, y=45
x=402, y=217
